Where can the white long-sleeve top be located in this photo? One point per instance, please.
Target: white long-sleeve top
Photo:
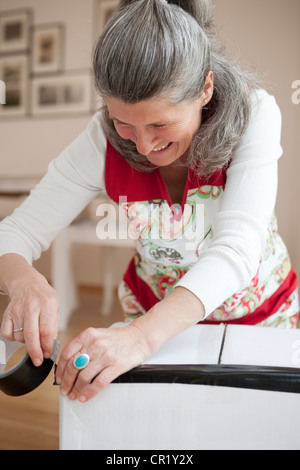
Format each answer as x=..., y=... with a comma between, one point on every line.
x=240, y=226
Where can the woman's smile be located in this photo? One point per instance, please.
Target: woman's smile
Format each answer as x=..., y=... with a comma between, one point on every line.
x=164, y=147
x=161, y=131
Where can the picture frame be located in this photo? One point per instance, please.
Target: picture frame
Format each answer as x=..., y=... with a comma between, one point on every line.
x=48, y=41
x=14, y=72
x=63, y=94
x=103, y=11
x=15, y=31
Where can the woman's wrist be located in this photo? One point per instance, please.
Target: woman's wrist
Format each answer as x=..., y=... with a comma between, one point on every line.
x=171, y=316
x=13, y=270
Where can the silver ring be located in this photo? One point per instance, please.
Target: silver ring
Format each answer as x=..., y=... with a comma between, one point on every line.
x=18, y=330
x=81, y=361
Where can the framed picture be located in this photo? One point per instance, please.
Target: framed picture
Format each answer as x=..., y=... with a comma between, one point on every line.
x=14, y=73
x=104, y=10
x=47, y=48
x=62, y=94
x=15, y=31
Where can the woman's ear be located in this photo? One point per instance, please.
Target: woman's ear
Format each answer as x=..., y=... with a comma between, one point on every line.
x=208, y=88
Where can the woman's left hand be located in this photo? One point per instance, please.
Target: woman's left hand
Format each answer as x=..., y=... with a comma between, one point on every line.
x=112, y=352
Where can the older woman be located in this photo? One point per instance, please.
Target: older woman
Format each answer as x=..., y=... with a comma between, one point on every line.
x=182, y=128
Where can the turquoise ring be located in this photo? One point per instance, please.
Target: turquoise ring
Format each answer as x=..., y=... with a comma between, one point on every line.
x=81, y=361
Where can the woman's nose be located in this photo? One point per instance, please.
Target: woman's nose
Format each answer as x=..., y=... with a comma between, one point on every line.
x=144, y=141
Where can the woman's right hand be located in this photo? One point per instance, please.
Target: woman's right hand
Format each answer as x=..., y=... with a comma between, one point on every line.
x=33, y=307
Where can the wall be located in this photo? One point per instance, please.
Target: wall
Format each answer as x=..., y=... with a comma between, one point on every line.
x=28, y=145
x=263, y=34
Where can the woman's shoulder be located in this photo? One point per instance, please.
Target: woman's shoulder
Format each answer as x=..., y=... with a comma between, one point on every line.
x=262, y=139
x=95, y=133
x=265, y=118
x=263, y=102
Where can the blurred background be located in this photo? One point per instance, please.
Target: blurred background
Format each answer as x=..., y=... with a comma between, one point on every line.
x=45, y=61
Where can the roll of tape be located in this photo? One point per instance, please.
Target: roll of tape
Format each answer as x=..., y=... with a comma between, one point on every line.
x=24, y=377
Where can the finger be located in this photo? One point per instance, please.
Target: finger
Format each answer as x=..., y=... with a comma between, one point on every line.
x=7, y=325
x=49, y=319
x=65, y=366
x=32, y=337
x=84, y=379
x=79, y=344
x=69, y=378
x=19, y=337
x=101, y=381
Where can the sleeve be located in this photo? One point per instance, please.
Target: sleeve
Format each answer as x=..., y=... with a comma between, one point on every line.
x=240, y=227
x=72, y=181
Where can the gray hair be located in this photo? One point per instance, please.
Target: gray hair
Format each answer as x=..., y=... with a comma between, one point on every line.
x=152, y=48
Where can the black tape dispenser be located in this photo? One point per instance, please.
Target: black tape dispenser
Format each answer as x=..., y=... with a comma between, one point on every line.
x=24, y=377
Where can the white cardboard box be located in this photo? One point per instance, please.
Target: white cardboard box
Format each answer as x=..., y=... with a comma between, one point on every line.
x=185, y=416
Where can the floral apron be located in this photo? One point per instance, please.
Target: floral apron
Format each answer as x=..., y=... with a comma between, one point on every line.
x=165, y=249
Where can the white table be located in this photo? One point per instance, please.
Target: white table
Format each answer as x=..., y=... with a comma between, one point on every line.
x=10, y=186
x=13, y=191
x=63, y=280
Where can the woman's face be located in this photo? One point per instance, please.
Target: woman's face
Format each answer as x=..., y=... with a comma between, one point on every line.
x=161, y=131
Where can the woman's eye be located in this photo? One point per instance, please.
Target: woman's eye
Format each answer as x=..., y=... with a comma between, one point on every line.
x=117, y=123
